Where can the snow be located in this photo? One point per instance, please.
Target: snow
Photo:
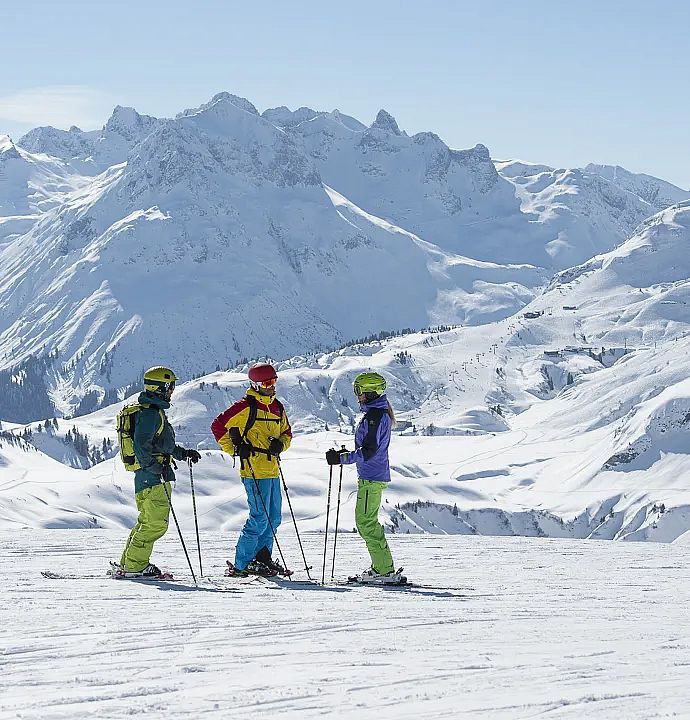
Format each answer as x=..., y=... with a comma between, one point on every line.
x=509, y=628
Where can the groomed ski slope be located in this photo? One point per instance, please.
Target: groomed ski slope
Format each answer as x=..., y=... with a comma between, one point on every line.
x=512, y=628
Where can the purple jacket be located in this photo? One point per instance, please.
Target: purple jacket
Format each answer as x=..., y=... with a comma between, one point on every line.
x=372, y=437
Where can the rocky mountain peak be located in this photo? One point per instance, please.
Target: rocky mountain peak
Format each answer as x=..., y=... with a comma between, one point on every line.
x=284, y=117
x=221, y=98
x=7, y=148
x=385, y=121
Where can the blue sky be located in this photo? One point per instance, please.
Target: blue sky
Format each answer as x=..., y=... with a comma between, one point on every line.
x=553, y=82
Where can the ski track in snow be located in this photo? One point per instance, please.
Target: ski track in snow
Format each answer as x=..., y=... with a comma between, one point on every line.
x=508, y=628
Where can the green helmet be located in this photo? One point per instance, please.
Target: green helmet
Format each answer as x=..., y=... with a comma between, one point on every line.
x=369, y=382
x=159, y=379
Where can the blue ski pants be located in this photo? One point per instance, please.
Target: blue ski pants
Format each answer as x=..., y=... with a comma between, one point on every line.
x=256, y=532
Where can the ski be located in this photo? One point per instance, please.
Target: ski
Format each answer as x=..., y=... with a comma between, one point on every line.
x=50, y=575
x=403, y=586
x=215, y=582
x=286, y=581
x=230, y=580
x=163, y=577
x=400, y=581
x=356, y=581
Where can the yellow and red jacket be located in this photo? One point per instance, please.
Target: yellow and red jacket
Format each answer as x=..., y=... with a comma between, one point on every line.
x=271, y=422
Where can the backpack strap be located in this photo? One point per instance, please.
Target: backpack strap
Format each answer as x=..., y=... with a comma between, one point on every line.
x=161, y=428
x=253, y=411
x=143, y=406
x=251, y=419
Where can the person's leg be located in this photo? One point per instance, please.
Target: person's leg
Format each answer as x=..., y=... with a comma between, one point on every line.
x=254, y=528
x=368, y=526
x=274, y=504
x=152, y=524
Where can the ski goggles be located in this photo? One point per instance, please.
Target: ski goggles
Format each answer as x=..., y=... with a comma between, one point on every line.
x=156, y=386
x=268, y=383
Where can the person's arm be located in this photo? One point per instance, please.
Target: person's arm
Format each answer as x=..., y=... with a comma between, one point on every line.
x=180, y=453
x=227, y=427
x=148, y=422
x=377, y=427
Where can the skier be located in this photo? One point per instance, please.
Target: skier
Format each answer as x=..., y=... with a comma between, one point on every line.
x=147, y=444
x=372, y=438
x=256, y=429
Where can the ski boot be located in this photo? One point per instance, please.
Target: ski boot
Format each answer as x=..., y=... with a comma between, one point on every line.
x=264, y=557
x=256, y=567
x=232, y=571
x=150, y=572
x=371, y=577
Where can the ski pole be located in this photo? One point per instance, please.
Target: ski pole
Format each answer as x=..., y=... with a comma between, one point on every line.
x=294, y=521
x=257, y=491
x=196, y=520
x=337, y=517
x=328, y=510
x=179, y=532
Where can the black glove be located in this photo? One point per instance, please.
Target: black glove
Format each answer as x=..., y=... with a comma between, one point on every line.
x=275, y=447
x=333, y=456
x=193, y=455
x=243, y=450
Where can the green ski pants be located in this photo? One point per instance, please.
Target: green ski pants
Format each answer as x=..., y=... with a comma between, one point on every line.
x=367, y=521
x=152, y=523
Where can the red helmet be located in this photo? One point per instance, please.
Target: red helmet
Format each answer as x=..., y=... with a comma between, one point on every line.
x=262, y=372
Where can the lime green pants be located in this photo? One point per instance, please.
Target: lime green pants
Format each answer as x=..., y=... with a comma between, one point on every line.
x=152, y=523
x=368, y=526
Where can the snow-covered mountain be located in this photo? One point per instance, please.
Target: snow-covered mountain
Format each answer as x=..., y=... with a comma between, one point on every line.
x=93, y=151
x=198, y=212
x=579, y=213
x=453, y=198
x=636, y=294
x=226, y=234
x=658, y=193
x=221, y=221
x=494, y=439
x=30, y=184
x=547, y=423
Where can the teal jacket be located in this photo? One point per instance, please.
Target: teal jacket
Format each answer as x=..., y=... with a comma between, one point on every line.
x=147, y=443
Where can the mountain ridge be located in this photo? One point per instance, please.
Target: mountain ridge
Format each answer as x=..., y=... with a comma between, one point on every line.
x=220, y=201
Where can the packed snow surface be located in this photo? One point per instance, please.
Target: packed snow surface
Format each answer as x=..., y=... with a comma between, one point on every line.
x=504, y=628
